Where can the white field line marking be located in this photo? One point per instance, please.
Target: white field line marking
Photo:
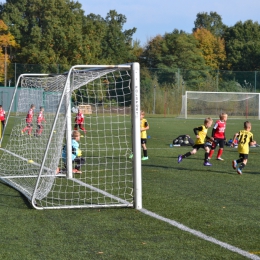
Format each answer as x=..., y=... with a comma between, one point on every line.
x=201, y=235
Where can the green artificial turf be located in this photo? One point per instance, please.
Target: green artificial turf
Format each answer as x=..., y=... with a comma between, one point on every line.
x=213, y=200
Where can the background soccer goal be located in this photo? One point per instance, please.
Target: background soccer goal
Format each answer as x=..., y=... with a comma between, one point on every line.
x=197, y=104
x=110, y=96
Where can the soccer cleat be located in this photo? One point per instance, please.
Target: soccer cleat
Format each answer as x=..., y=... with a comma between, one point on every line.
x=239, y=171
x=145, y=158
x=220, y=159
x=209, y=158
x=179, y=158
x=131, y=156
x=234, y=164
x=207, y=164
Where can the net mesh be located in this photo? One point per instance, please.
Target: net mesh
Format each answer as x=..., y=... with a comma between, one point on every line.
x=29, y=162
x=197, y=104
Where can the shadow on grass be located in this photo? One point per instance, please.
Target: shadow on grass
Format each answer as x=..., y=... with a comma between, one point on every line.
x=10, y=200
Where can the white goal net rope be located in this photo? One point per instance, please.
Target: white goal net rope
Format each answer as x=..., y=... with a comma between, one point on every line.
x=29, y=161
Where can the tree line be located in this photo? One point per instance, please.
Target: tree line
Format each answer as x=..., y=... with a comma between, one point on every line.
x=51, y=32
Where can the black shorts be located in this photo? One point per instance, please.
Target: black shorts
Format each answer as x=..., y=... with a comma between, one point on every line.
x=143, y=140
x=218, y=141
x=198, y=146
x=243, y=156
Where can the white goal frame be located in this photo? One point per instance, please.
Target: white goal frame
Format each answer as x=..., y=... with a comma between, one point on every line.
x=201, y=104
x=45, y=167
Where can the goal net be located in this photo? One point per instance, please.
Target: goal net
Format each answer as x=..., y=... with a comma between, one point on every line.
x=196, y=104
x=31, y=161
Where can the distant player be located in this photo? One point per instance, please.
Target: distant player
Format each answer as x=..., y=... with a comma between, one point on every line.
x=144, y=126
x=29, y=119
x=79, y=120
x=218, y=133
x=245, y=139
x=201, y=137
x=2, y=117
x=40, y=119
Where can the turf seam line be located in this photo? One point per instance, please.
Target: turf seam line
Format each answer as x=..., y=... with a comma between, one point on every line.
x=200, y=235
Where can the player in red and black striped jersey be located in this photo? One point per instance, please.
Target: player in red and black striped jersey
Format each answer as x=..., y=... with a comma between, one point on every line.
x=218, y=133
x=2, y=116
x=29, y=119
x=79, y=120
x=40, y=119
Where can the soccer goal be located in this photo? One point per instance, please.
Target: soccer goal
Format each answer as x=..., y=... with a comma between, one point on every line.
x=197, y=104
x=29, y=162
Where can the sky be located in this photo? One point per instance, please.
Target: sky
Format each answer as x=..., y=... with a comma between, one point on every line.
x=157, y=17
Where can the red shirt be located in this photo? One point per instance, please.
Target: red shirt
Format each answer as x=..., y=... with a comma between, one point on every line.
x=219, y=129
x=79, y=118
x=40, y=117
x=2, y=115
x=29, y=116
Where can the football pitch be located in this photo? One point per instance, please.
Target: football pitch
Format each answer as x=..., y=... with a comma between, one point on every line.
x=189, y=211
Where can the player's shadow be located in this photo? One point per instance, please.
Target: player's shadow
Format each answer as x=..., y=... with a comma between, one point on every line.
x=156, y=166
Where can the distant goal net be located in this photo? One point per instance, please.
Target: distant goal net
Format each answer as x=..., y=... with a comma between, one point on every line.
x=33, y=160
x=197, y=104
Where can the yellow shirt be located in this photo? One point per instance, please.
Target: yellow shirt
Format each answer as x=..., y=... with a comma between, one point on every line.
x=244, y=138
x=202, y=135
x=144, y=124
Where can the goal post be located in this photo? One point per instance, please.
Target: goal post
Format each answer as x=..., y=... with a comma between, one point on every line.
x=108, y=177
x=199, y=104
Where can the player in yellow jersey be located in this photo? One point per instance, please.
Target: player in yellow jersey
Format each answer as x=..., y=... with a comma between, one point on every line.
x=201, y=137
x=144, y=126
x=245, y=139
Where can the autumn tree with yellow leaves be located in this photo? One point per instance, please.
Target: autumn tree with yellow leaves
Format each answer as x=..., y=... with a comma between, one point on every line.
x=212, y=47
x=6, y=41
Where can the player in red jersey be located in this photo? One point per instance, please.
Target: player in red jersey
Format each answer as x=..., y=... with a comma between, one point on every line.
x=40, y=119
x=218, y=133
x=79, y=120
x=2, y=116
x=29, y=119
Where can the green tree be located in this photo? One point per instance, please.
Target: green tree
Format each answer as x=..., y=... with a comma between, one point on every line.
x=95, y=29
x=212, y=22
x=173, y=51
x=48, y=32
x=116, y=43
x=243, y=46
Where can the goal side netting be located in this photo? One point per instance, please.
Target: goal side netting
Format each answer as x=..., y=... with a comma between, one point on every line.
x=31, y=160
x=197, y=104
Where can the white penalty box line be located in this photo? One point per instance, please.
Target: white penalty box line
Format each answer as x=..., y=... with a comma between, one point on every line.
x=200, y=235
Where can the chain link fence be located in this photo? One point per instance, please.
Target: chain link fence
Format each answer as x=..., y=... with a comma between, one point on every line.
x=161, y=89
